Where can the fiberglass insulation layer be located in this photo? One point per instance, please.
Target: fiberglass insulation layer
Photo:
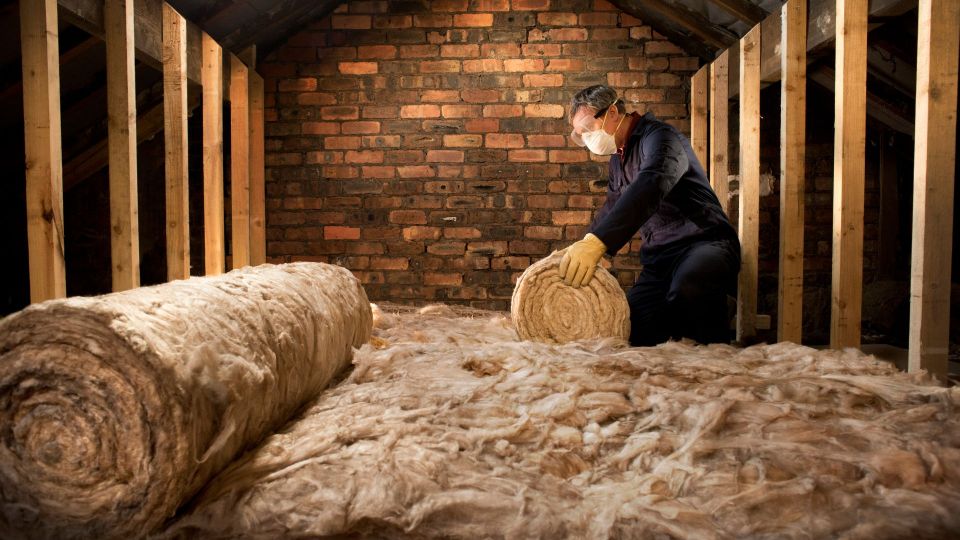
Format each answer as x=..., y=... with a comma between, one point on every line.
x=116, y=409
x=448, y=427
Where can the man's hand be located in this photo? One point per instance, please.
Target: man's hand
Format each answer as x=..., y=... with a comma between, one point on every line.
x=580, y=261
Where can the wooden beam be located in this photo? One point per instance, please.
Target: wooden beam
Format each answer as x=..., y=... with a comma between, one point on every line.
x=249, y=57
x=212, y=75
x=699, y=87
x=39, y=43
x=258, y=233
x=88, y=15
x=122, y=144
x=177, y=148
x=749, y=183
x=793, y=106
x=720, y=129
x=677, y=13
x=239, y=162
x=933, y=177
x=850, y=119
x=877, y=109
x=742, y=9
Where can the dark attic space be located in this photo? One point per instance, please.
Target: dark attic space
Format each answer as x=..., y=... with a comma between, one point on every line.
x=479, y=269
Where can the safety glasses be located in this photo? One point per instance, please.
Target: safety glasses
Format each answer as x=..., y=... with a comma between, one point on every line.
x=585, y=125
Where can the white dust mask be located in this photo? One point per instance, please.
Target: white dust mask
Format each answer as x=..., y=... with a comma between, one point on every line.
x=599, y=141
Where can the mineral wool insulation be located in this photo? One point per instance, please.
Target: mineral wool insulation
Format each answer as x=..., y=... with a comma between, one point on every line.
x=449, y=427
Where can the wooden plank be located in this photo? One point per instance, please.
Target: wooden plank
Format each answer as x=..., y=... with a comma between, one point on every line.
x=212, y=75
x=699, y=87
x=694, y=23
x=793, y=104
x=44, y=166
x=148, y=16
x=848, y=173
x=742, y=9
x=720, y=129
x=258, y=231
x=749, y=183
x=239, y=162
x=176, y=141
x=933, y=177
x=122, y=144
x=249, y=57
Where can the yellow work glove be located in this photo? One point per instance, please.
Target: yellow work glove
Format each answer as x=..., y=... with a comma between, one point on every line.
x=580, y=261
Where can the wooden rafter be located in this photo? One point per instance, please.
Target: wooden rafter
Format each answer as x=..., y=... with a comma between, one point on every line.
x=747, y=12
x=175, y=112
x=749, y=223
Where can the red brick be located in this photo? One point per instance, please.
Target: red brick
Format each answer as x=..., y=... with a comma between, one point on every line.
x=598, y=19
x=408, y=217
x=542, y=49
x=567, y=34
x=461, y=111
x=641, y=32
x=529, y=64
x=504, y=140
x=374, y=111
x=546, y=201
x=565, y=64
x=628, y=79
x=547, y=141
x=320, y=128
x=447, y=248
x=542, y=81
x=339, y=171
x=511, y=263
x=358, y=68
x=462, y=233
x=361, y=128
x=686, y=63
x=419, y=111
x=418, y=51
x=492, y=50
x=378, y=171
x=440, y=66
x=381, y=141
x=433, y=278
x=568, y=156
x=540, y=110
x=470, y=50
x=661, y=47
x=463, y=141
x=474, y=19
x=339, y=112
x=432, y=20
x=382, y=52
x=298, y=85
x=392, y=21
x=492, y=5
x=543, y=232
x=581, y=201
x=421, y=233
x=604, y=5
x=415, y=171
x=389, y=263
x=316, y=98
x=644, y=95
x=449, y=5
x=664, y=79
x=527, y=155
x=440, y=95
x=364, y=156
x=445, y=156
x=557, y=19
x=484, y=65
x=495, y=248
x=530, y=5
x=350, y=22
x=571, y=217
x=341, y=233
x=472, y=95
x=502, y=111
x=609, y=34
x=341, y=143
x=482, y=125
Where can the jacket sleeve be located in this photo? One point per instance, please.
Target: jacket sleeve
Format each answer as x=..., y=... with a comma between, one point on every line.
x=604, y=210
x=662, y=162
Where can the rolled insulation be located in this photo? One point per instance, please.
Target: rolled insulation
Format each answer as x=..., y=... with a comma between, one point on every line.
x=545, y=309
x=116, y=409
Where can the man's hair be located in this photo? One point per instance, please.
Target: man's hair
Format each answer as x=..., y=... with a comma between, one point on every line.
x=597, y=97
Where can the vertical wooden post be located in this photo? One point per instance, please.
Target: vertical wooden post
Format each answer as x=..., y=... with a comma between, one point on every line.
x=793, y=102
x=848, y=172
x=934, y=162
x=258, y=236
x=122, y=143
x=211, y=73
x=239, y=162
x=699, y=86
x=175, y=138
x=749, y=182
x=720, y=128
x=44, y=160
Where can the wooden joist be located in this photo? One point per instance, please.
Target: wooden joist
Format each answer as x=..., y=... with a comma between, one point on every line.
x=848, y=170
x=749, y=221
x=258, y=233
x=720, y=128
x=699, y=86
x=793, y=104
x=744, y=10
x=933, y=178
x=44, y=165
x=239, y=162
x=122, y=144
x=175, y=139
x=212, y=75
x=148, y=21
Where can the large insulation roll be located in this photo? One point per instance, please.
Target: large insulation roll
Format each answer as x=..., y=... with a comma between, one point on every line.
x=545, y=309
x=116, y=409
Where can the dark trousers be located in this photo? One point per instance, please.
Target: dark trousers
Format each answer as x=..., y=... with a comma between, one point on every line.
x=684, y=294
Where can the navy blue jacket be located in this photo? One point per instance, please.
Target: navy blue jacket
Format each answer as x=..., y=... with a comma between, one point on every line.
x=659, y=188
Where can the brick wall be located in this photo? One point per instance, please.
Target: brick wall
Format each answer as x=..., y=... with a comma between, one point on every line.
x=423, y=144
